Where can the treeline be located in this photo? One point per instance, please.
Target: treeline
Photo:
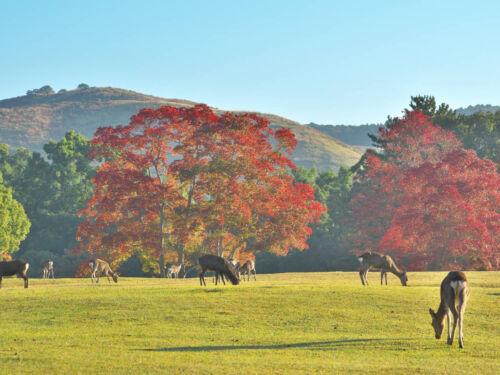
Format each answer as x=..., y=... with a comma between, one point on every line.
x=430, y=197
x=364, y=200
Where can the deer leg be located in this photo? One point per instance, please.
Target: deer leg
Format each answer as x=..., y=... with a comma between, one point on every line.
x=460, y=330
x=455, y=321
x=202, y=278
x=0, y=281
x=254, y=275
x=385, y=273
x=361, y=277
x=222, y=277
x=366, y=276
x=448, y=318
x=461, y=312
x=381, y=277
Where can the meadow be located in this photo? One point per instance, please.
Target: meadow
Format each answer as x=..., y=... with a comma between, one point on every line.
x=303, y=323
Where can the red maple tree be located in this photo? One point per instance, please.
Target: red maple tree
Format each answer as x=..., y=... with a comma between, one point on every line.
x=427, y=200
x=177, y=180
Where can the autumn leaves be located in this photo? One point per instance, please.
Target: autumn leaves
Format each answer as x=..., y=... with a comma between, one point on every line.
x=178, y=182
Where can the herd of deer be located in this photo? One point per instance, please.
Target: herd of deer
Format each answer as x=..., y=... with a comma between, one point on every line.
x=454, y=288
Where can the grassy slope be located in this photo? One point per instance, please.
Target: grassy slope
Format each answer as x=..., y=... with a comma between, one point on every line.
x=286, y=323
x=30, y=121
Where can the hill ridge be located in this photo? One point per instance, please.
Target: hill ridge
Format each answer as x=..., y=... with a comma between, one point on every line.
x=31, y=120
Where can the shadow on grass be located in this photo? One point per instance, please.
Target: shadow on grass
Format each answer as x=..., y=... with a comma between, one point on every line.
x=494, y=294
x=318, y=345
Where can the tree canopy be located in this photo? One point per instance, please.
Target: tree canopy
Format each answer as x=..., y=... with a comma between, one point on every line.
x=176, y=181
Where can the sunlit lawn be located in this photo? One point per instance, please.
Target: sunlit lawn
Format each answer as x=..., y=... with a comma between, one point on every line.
x=281, y=324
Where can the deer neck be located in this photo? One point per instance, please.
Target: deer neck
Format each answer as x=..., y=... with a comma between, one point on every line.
x=441, y=313
x=395, y=270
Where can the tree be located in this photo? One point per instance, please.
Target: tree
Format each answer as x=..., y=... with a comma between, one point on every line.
x=83, y=86
x=479, y=131
x=44, y=90
x=448, y=215
x=426, y=199
x=177, y=180
x=51, y=190
x=406, y=143
x=14, y=224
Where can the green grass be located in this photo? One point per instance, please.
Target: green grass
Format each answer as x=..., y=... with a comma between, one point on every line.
x=317, y=323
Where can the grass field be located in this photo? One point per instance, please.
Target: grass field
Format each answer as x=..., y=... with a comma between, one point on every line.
x=307, y=323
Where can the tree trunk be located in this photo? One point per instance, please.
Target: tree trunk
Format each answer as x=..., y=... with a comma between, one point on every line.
x=162, y=243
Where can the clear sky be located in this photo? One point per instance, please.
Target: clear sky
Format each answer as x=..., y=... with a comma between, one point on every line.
x=330, y=62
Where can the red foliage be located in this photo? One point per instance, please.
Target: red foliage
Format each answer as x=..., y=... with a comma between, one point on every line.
x=427, y=200
x=175, y=175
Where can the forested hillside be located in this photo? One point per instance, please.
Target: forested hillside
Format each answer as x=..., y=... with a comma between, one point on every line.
x=355, y=135
x=32, y=120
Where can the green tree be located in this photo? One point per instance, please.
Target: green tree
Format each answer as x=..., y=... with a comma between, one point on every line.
x=52, y=189
x=328, y=248
x=14, y=224
x=479, y=131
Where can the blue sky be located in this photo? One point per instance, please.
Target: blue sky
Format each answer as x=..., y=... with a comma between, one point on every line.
x=334, y=62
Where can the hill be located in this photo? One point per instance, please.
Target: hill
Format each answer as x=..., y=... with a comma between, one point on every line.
x=355, y=135
x=30, y=121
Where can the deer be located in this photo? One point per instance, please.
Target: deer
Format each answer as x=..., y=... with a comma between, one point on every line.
x=247, y=268
x=455, y=292
x=100, y=267
x=174, y=269
x=382, y=262
x=48, y=269
x=12, y=267
x=221, y=266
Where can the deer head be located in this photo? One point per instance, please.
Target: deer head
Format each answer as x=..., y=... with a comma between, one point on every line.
x=115, y=277
x=437, y=324
x=404, y=279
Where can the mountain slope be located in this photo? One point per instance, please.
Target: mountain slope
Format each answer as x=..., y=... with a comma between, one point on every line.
x=30, y=121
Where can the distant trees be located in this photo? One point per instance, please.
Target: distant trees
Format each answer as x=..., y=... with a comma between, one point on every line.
x=44, y=90
x=182, y=180
x=83, y=86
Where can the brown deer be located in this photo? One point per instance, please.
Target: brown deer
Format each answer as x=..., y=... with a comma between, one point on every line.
x=221, y=267
x=100, y=267
x=381, y=262
x=248, y=268
x=48, y=269
x=455, y=292
x=174, y=269
x=12, y=267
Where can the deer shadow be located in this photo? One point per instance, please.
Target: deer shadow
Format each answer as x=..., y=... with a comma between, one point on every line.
x=494, y=294
x=317, y=345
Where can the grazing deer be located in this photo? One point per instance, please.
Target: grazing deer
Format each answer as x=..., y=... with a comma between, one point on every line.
x=455, y=292
x=12, y=267
x=248, y=268
x=174, y=269
x=221, y=267
x=99, y=267
x=48, y=269
x=384, y=263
